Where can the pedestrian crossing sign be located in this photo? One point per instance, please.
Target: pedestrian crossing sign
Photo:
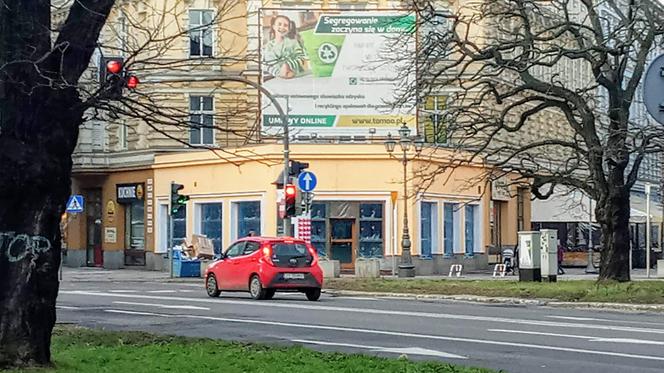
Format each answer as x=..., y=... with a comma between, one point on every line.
x=75, y=203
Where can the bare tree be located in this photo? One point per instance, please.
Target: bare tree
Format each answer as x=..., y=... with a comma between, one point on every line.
x=545, y=89
x=49, y=88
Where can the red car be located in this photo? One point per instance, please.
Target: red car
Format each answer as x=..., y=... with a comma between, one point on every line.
x=263, y=265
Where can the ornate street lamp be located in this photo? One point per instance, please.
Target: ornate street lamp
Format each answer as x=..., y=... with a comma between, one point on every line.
x=406, y=267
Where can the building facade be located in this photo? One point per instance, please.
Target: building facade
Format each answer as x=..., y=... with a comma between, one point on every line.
x=222, y=140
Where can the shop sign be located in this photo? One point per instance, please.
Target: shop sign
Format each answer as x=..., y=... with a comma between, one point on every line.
x=127, y=193
x=500, y=189
x=110, y=235
x=110, y=211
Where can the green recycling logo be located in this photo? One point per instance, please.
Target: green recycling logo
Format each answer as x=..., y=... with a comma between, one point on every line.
x=328, y=53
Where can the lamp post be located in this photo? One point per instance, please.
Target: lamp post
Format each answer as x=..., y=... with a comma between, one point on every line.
x=406, y=267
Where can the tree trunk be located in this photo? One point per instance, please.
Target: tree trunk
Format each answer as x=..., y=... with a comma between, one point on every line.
x=38, y=134
x=613, y=216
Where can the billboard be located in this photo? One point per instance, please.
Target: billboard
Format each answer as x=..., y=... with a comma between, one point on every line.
x=338, y=72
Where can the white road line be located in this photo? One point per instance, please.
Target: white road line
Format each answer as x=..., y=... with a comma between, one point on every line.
x=607, y=320
x=300, y=306
x=394, y=350
x=68, y=307
x=162, y=291
x=169, y=306
x=399, y=334
x=587, y=337
x=123, y=291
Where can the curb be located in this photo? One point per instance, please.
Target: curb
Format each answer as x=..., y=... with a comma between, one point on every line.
x=500, y=300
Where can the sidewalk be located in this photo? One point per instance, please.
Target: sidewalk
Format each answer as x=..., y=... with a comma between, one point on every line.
x=95, y=274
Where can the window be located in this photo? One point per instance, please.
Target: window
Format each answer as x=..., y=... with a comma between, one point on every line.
x=179, y=226
x=371, y=230
x=201, y=121
x=248, y=218
x=200, y=33
x=319, y=228
x=122, y=136
x=449, y=231
x=235, y=250
x=435, y=130
x=211, y=223
x=428, y=231
x=122, y=34
x=471, y=229
x=250, y=247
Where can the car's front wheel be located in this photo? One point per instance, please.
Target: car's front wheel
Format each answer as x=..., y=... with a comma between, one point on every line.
x=211, y=286
x=256, y=288
x=313, y=294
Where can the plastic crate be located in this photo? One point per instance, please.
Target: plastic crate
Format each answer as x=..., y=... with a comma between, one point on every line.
x=186, y=268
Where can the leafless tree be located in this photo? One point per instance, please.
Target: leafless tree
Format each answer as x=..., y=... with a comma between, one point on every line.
x=48, y=89
x=545, y=89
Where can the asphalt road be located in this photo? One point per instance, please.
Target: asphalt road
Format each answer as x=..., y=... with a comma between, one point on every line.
x=513, y=338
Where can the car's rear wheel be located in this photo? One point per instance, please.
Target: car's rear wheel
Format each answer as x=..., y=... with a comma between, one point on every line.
x=269, y=293
x=256, y=288
x=313, y=294
x=211, y=286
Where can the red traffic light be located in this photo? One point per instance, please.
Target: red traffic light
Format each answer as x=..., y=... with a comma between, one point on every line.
x=290, y=190
x=114, y=67
x=132, y=82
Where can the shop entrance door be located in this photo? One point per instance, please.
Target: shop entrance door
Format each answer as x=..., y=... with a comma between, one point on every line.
x=342, y=242
x=94, y=253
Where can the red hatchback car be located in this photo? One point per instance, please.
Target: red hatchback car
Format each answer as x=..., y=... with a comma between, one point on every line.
x=263, y=265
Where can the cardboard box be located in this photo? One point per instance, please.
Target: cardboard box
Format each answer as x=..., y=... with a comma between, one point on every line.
x=203, y=246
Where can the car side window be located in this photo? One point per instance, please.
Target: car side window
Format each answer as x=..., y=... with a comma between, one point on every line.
x=250, y=247
x=235, y=250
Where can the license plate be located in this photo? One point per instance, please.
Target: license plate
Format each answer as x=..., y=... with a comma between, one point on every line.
x=295, y=276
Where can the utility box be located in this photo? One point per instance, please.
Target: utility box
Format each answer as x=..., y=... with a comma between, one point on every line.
x=529, y=256
x=549, y=254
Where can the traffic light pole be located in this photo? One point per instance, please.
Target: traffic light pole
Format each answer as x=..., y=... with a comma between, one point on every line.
x=169, y=233
x=283, y=115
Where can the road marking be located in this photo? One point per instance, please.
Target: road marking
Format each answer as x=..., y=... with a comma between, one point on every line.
x=300, y=306
x=68, y=307
x=608, y=320
x=399, y=334
x=162, y=291
x=169, y=306
x=587, y=337
x=123, y=291
x=394, y=350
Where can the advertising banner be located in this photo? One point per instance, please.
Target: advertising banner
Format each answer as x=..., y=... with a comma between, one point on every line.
x=338, y=72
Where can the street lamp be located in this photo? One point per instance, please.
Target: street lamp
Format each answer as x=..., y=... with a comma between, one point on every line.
x=406, y=267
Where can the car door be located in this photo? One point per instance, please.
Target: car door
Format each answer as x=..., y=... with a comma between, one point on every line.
x=229, y=267
x=247, y=264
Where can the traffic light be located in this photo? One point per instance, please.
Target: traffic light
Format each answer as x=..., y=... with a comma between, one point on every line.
x=177, y=200
x=290, y=194
x=295, y=167
x=114, y=78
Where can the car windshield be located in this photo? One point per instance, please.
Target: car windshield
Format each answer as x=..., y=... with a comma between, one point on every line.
x=281, y=249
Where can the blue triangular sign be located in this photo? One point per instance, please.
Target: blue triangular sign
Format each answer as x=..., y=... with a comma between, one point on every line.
x=75, y=204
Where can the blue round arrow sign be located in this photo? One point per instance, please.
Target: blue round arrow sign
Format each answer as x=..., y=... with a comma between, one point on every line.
x=306, y=181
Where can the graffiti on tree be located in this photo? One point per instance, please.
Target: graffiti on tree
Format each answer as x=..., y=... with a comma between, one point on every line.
x=17, y=246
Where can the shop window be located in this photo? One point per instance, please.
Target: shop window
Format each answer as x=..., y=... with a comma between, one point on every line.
x=319, y=228
x=472, y=229
x=201, y=120
x=211, y=223
x=371, y=230
x=248, y=218
x=135, y=226
x=434, y=126
x=449, y=233
x=200, y=33
x=428, y=228
x=179, y=226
